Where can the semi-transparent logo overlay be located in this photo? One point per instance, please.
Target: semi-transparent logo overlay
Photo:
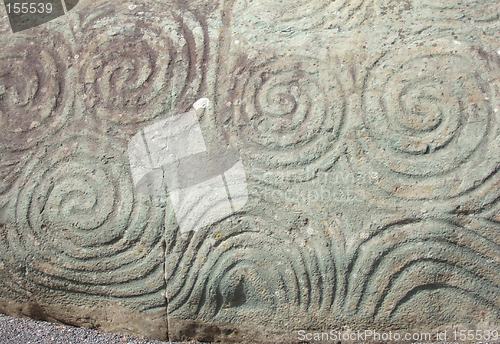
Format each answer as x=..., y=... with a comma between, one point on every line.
x=170, y=159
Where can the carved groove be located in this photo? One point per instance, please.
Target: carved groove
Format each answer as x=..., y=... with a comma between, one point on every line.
x=288, y=113
x=85, y=230
x=36, y=96
x=428, y=121
x=138, y=67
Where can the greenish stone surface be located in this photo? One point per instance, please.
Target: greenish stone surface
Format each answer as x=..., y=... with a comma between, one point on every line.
x=369, y=133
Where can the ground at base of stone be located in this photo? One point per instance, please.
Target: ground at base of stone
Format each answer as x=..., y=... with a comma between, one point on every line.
x=27, y=331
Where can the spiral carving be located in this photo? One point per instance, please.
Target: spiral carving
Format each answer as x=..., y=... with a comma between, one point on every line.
x=85, y=230
x=36, y=95
x=288, y=113
x=429, y=129
x=140, y=62
x=220, y=273
x=410, y=260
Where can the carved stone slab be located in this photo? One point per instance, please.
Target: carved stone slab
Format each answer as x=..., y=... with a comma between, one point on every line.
x=369, y=133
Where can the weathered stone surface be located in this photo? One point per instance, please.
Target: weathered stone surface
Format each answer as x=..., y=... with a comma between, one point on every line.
x=369, y=132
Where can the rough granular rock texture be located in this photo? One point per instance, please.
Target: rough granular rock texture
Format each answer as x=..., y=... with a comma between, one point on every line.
x=369, y=132
x=27, y=331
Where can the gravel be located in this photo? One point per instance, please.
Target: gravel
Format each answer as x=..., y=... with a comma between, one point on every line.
x=26, y=331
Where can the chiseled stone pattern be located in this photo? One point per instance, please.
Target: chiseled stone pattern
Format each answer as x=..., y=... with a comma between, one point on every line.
x=369, y=131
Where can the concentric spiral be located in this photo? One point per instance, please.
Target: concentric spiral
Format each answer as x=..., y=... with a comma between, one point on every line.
x=36, y=95
x=308, y=14
x=288, y=115
x=429, y=129
x=221, y=273
x=141, y=61
x=453, y=264
x=84, y=230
